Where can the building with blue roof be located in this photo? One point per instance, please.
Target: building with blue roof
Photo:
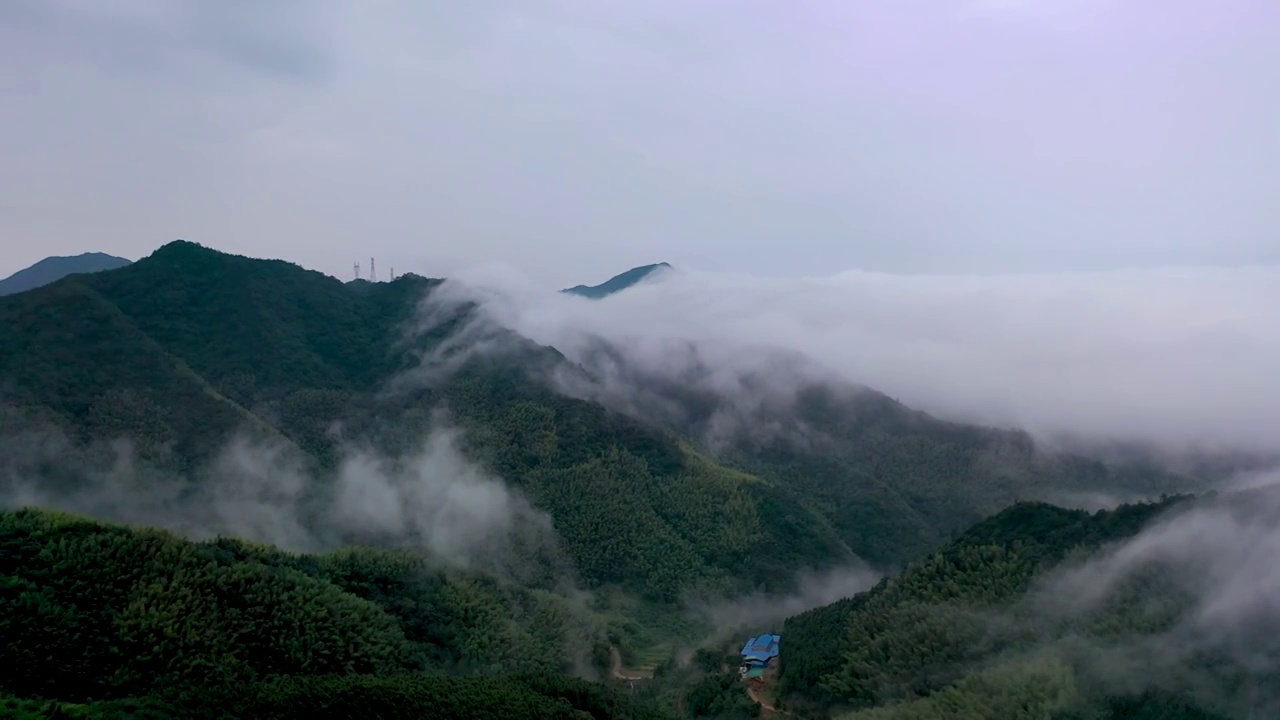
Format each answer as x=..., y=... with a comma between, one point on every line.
x=759, y=650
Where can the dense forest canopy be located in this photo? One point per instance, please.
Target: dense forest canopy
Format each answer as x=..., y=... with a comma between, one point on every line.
x=95, y=613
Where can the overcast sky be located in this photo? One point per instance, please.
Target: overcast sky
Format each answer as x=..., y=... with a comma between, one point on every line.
x=577, y=138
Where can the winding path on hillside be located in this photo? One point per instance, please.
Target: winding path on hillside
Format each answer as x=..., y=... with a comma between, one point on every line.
x=765, y=707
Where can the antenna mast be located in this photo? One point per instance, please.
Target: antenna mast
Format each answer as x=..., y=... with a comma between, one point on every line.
x=357, y=269
x=373, y=273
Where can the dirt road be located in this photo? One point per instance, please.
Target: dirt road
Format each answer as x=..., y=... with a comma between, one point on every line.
x=766, y=709
x=753, y=692
x=621, y=673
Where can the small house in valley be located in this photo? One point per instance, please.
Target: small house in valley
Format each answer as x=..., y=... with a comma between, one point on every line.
x=758, y=652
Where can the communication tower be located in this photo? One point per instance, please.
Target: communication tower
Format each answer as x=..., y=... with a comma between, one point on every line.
x=373, y=272
x=357, y=268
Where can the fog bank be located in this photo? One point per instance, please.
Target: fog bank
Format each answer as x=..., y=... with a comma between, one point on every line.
x=1177, y=356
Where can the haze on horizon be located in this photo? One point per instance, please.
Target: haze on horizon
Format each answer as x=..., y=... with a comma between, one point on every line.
x=576, y=139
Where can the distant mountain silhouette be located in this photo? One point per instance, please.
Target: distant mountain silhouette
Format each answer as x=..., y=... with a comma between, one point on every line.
x=617, y=283
x=52, y=269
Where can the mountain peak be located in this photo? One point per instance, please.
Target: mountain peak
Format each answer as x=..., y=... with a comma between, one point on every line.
x=179, y=244
x=186, y=249
x=617, y=283
x=193, y=256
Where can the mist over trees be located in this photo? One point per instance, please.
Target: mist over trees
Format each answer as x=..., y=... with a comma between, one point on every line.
x=379, y=492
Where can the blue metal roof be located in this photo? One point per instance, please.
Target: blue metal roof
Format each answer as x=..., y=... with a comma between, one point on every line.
x=761, y=648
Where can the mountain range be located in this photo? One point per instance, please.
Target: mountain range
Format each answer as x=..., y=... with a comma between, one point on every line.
x=51, y=269
x=513, y=505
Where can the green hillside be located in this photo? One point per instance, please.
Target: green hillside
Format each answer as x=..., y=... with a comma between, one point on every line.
x=124, y=622
x=109, y=621
x=965, y=632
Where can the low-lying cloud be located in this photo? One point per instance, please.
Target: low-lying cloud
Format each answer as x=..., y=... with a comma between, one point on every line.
x=1221, y=555
x=1196, y=590
x=1175, y=356
x=433, y=500
x=765, y=612
x=441, y=502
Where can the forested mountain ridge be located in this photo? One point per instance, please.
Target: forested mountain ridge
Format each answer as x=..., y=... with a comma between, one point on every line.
x=189, y=347
x=320, y=393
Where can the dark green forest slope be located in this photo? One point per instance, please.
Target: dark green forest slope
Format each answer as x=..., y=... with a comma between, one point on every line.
x=124, y=622
x=977, y=631
x=108, y=621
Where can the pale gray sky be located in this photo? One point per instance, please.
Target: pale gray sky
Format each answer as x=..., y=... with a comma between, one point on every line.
x=576, y=138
